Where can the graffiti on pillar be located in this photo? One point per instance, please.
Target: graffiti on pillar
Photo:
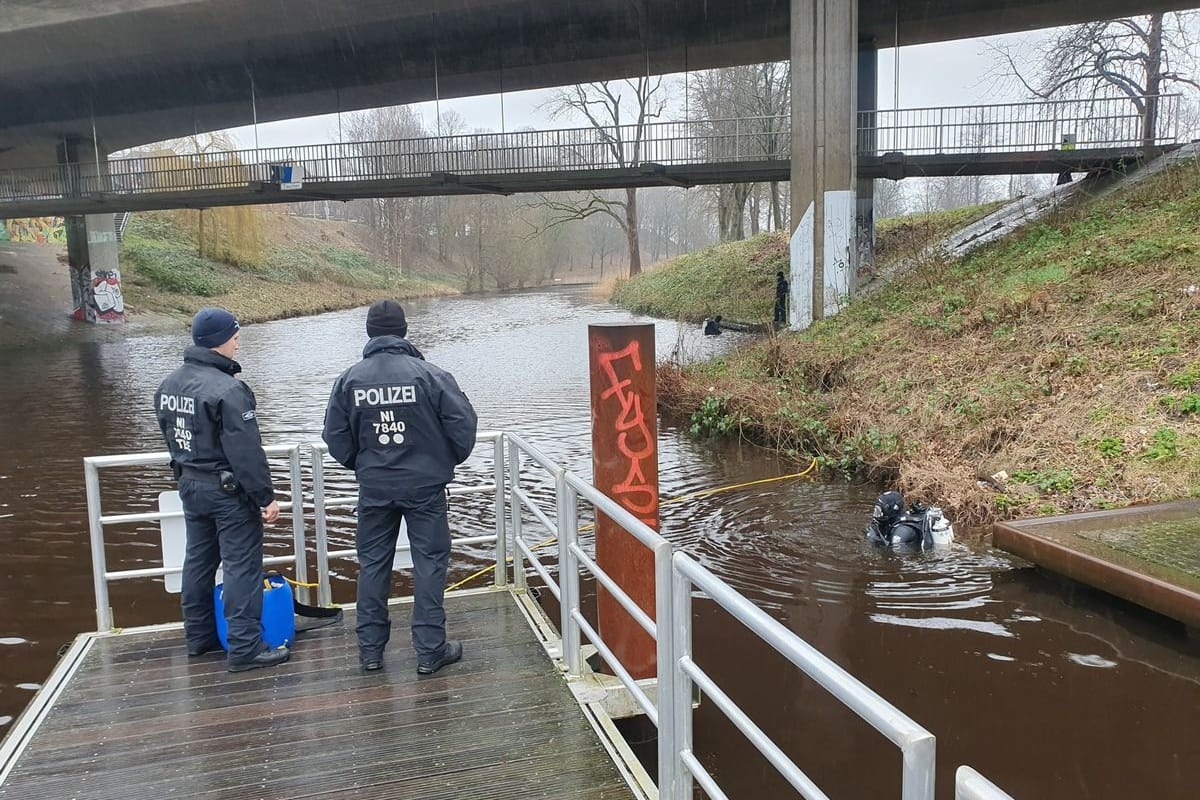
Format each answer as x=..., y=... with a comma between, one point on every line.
x=839, y=241
x=107, y=302
x=35, y=230
x=634, y=441
x=864, y=224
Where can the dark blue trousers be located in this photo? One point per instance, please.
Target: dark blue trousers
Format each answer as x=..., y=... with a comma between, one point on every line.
x=222, y=530
x=429, y=535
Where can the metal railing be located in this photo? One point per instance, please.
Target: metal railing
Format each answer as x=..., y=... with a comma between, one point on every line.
x=677, y=578
x=98, y=521
x=1090, y=124
x=322, y=503
x=916, y=744
x=1104, y=123
x=970, y=785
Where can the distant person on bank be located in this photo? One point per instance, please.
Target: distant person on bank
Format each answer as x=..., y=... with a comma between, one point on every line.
x=208, y=420
x=402, y=425
x=781, y=299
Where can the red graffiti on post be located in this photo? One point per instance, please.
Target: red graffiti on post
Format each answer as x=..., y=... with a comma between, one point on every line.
x=634, y=440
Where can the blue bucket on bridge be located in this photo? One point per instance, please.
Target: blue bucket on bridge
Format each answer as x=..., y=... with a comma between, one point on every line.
x=281, y=173
x=278, y=615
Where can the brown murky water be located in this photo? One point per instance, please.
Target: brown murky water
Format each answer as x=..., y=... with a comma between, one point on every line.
x=1052, y=691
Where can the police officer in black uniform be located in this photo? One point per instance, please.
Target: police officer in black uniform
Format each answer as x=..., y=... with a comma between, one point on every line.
x=402, y=425
x=207, y=417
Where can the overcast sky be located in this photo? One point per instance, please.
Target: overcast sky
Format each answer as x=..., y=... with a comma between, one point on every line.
x=946, y=73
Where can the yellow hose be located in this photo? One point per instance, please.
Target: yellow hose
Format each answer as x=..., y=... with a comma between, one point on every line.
x=680, y=499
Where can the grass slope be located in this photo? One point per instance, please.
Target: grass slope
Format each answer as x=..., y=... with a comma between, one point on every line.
x=737, y=279
x=1066, y=356
x=298, y=271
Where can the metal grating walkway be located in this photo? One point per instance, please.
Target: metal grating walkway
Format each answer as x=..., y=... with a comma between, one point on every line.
x=140, y=720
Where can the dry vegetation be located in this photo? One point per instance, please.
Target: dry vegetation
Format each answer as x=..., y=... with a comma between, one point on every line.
x=1066, y=357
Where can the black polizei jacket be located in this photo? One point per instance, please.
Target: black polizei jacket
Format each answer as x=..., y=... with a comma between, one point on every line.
x=208, y=421
x=399, y=422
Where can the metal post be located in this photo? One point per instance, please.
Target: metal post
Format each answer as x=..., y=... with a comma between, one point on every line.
x=919, y=759
x=514, y=483
x=501, y=543
x=568, y=573
x=91, y=479
x=625, y=468
x=324, y=591
x=681, y=700
x=299, y=545
x=667, y=662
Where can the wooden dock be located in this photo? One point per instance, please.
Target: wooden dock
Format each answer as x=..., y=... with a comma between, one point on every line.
x=139, y=720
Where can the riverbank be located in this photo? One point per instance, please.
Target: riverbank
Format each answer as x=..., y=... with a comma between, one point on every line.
x=1051, y=372
x=293, y=267
x=737, y=279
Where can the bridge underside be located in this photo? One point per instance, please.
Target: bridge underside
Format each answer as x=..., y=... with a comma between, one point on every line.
x=894, y=166
x=146, y=70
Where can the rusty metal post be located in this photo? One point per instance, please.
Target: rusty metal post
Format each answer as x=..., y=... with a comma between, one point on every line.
x=625, y=467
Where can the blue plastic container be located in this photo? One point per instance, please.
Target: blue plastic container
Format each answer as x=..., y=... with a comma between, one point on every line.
x=278, y=614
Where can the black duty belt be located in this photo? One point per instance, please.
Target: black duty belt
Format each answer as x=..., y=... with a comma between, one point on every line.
x=200, y=475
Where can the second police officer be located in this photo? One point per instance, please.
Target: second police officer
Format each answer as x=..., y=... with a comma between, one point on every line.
x=207, y=416
x=403, y=425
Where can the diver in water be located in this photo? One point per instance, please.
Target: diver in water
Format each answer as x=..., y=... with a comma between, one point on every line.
x=920, y=526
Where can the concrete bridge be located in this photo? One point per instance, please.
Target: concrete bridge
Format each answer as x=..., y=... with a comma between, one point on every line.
x=78, y=77
x=147, y=70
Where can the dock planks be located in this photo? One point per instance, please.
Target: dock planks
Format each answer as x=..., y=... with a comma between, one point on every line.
x=141, y=720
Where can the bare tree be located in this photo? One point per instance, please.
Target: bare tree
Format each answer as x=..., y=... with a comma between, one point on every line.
x=744, y=109
x=1138, y=58
x=603, y=105
x=402, y=225
x=889, y=199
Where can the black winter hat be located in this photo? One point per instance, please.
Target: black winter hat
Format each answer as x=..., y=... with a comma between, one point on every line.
x=213, y=327
x=386, y=318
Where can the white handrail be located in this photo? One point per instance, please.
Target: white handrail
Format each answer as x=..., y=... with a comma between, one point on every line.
x=97, y=521
x=970, y=785
x=677, y=576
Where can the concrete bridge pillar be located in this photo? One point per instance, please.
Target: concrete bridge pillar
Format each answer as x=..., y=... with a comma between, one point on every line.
x=91, y=239
x=868, y=102
x=824, y=45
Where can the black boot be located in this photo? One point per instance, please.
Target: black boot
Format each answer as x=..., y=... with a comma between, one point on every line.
x=267, y=658
x=451, y=653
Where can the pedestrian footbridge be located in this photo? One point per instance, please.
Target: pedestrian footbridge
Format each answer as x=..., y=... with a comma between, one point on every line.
x=1046, y=137
x=126, y=714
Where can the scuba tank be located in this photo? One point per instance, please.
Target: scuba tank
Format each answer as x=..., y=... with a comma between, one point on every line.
x=920, y=526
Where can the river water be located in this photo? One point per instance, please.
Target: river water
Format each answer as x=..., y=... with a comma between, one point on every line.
x=1051, y=690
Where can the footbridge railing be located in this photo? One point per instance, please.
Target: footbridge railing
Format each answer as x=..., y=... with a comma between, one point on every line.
x=1099, y=124
x=519, y=489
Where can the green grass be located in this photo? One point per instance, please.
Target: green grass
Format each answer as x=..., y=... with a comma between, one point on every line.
x=1063, y=354
x=157, y=253
x=171, y=266
x=735, y=280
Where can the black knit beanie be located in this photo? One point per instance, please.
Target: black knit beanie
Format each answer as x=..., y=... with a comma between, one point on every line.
x=386, y=318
